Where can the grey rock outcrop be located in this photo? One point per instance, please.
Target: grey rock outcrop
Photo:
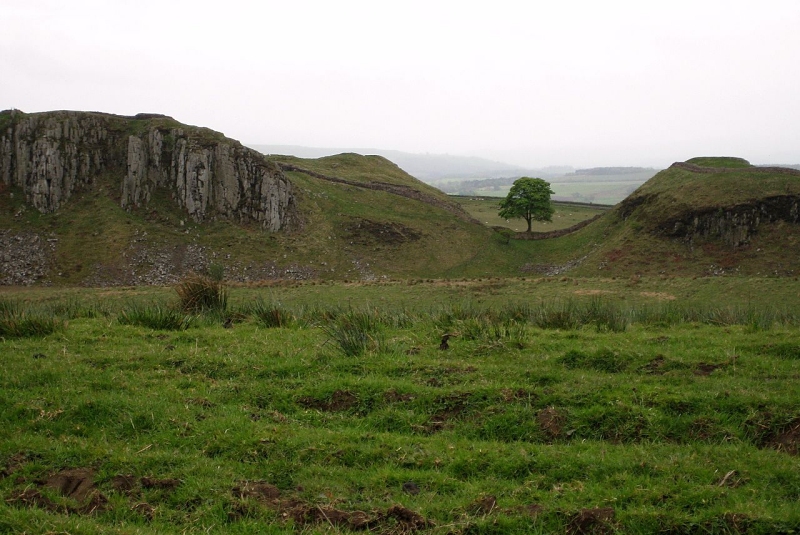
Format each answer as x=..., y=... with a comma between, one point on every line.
x=53, y=155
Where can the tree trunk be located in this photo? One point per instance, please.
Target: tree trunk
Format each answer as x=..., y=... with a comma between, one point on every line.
x=529, y=225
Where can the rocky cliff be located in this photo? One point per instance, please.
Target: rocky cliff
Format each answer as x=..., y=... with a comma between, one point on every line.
x=53, y=155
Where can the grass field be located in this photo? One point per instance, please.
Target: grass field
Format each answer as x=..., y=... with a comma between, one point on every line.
x=485, y=209
x=562, y=405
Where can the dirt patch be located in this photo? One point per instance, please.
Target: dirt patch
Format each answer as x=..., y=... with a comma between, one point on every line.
x=341, y=400
x=661, y=296
x=483, y=505
x=600, y=520
x=33, y=498
x=396, y=519
x=655, y=366
x=393, y=396
x=367, y=232
x=124, y=484
x=260, y=490
x=14, y=463
x=408, y=519
x=705, y=369
x=788, y=440
x=551, y=421
x=76, y=484
x=592, y=292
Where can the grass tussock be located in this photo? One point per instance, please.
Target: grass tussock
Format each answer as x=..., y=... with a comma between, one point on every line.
x=198, y=293
x=17, y=321
x=157, y=316
x=355, y=332
x=271, y=315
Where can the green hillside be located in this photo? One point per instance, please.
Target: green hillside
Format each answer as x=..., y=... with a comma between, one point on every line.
x=343, y=217
x=711, y=219
x=361, y=218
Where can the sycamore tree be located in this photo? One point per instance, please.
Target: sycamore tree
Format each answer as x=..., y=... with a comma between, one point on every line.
x=528, y=199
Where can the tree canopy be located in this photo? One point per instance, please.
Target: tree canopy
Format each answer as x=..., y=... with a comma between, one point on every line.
x=529, y=199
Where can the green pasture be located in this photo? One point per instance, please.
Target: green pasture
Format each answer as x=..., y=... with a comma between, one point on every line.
x=485, y=209
x=561, y=405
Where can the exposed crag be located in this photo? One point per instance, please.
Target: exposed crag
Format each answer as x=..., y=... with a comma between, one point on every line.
x=51, y=156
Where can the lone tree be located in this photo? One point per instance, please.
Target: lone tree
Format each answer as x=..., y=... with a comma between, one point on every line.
x=529, y=198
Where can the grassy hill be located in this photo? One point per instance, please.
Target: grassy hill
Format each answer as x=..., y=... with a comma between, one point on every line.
x=362, y=218
x=708, y=216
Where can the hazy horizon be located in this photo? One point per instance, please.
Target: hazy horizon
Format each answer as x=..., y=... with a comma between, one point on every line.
x=575, y=83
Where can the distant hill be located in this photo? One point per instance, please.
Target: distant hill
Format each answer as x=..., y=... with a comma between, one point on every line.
x=429, y=168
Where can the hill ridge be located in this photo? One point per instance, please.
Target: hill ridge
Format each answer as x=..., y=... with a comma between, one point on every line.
x=395, y=189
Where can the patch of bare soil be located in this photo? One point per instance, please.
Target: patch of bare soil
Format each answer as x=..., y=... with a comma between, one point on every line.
x=551, y=421
x=76, y=484
x=595, y=521
x=33, y=498
x=341, y=400
x=483, y=505
x=393, y=396
x=367, y=232
x=705, y=369
x=14, y=463
x=788, y=440
x=260, y=490
x=396, y=519
x=655, y=366
x=591, y=292
x=124, y=484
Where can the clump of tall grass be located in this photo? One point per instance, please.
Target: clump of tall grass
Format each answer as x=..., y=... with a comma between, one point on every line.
x=74, y=308
x=18, y=322
x=198, y=293
x=605, y=315
x=157, y=316
x=355, y=331
x=562, y=315
x=271, y=315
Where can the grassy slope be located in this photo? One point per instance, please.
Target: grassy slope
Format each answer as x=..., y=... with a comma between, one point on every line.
x=91, y=229
x=633, y=245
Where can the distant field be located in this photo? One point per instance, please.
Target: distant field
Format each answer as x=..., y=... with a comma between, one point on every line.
x=598, y=189
x=598, y=192
x=566, y=215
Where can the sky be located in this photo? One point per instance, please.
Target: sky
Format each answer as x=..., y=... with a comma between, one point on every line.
x=582, y=83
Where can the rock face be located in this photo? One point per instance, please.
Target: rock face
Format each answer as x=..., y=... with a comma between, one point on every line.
x=53, y=155
x=735, y=225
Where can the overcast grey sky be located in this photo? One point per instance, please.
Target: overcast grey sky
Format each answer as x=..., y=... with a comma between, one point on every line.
x=530, y=83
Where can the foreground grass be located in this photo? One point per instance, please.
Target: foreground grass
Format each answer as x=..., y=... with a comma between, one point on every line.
x=680, y=424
